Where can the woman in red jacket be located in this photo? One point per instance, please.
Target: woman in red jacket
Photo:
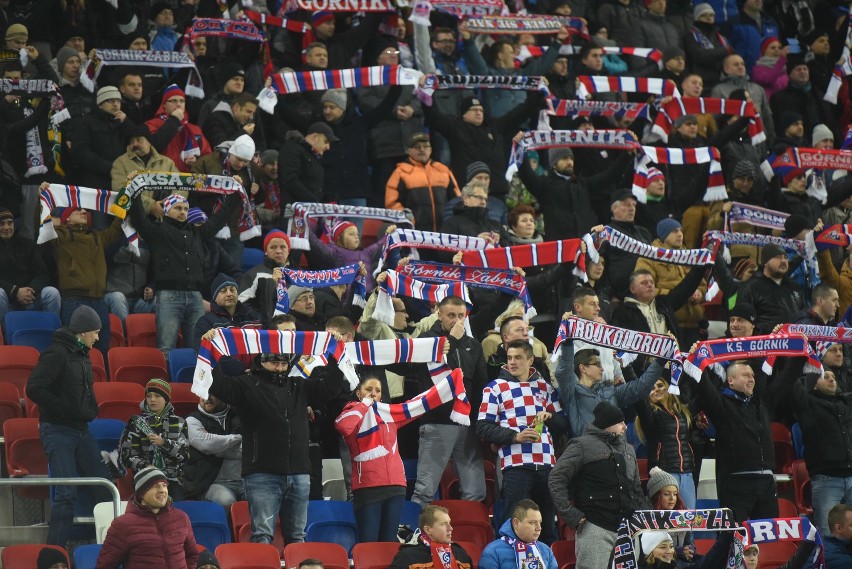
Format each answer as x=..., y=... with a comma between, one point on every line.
x=378, y=477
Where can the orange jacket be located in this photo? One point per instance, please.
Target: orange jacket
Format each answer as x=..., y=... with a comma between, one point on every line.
x=422, y=188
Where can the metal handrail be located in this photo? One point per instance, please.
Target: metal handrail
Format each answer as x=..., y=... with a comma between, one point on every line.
x=88, y=481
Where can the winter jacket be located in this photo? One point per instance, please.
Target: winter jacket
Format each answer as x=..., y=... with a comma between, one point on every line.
x=598, y=471
x=128, y=273
x=838, y=553
x=61, y=383
x=128, y=162
x=98, y=140
x=826, y=422
x=705, y=49
x=622, y=20
x=215, y=450
x=500, y=554
x=771, y=74
x=488, y=142
x=173, y=137
x=419, y=556
x=470, y=221
x=656, y=32
x=667, y=276
x=667, y=434
x=565, y=200
x=465, y=354
x=15, y=128
x=422, y=188
x=217, y=163
x=178, y=248
x=745, y=34
x=23, y=266
x=274, y=414
x=81, y=261
x=619, y=264
x=221, y=126
x=730, y=83
x=384, y=470
x=808, y=101
x=774, y=303
x=300, y=172
x=388, y=138
x=137, y=452
x=141, y=539
x=343, y=46
x=579, y=402
x=331, y=255
x=244, y=316
x=842, y=281
x=258, y=290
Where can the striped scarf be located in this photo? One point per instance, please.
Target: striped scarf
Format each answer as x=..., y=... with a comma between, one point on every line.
x=398, y=284
x=130, y=57
x=591, y=84
x=415, y=239
x=243, y=341
x=514, y=24
x=345, y=275
x=705, y=42
x=27, y=89
x=173, y=181
x=230, y=29
x=572, y=107
x=654, y=55
x=787, y=529
x=823, y=337
x=435, y=82
x=620, y=339
x=369, y=437
x=276, y=21
x=59, y=195
x=14, y=56
x=458, y=8
x=828, y=159
x=677, y=108
x=622, y=242
x=530, y=255
x=339, y=6
x=526, y=554
x=841, y=70
x=297, y=226
x=680, y=156
x=540, y=139
x=305, y=81
x=756, y=216
x=505, y=281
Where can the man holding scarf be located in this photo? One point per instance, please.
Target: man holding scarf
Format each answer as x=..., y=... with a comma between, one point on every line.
x=518, y=545
x=774, y=300
x=435, y=549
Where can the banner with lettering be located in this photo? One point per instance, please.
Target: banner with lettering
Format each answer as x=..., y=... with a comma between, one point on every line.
x=756, y=216
x=102, y=58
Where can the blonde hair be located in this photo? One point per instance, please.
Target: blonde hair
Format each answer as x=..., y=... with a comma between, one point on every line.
x=672, y=404
x=516, y=306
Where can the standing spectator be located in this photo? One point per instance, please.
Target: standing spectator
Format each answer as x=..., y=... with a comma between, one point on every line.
x=135, y=103
x=520, y=412
x=599, y=472
x=269, y=213
x=750, y=27
x=773, y=299
x=258, y=287
x=233, y=78
x=24, y=283
x=435, y=548
x=805, y=97
x=440, y=438
x=163, y=36
x=824, y=304
x=232, y=119
x=343, y=46
x=78, y=100
x=620, y=264
x=156, y=437
x=212, y=471
x=152, y=533
x=838, y=545
x=513, y=327
x=276, y=466
x=177, y=247
x=421, y=185
x=470, y=215
x=300, y=164
x=61, y=386
x=734, y=77
x=654, y=30
x=770, y=71
x=621, y=18
x=705, y=46
x=173, y=135
x=524, y=525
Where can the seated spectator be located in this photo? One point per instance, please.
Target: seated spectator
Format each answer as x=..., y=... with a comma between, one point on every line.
x=470, y=216
x=523, y=525
x=50, y=558
x=152, y=533
x=838, y=545
x=300, y=168
x=656, y=550
x=157, y=437
x=173, y=135
x=25, y=279
x=212, y=471
x=435, y=547
x=206, y=560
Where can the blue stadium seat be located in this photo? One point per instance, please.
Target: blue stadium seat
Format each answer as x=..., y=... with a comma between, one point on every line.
x=85, y=556
x=209, y=522
x=410, y=515
x=33, y=328
x=330, y=511
x=106, y=433
x=342, y=533
x=182, y=365
x=798, y=441
x=251, y=258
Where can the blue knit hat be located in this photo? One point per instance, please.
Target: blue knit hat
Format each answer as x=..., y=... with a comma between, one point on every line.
x=196, y=215
x=221, y=281
x=666, y=226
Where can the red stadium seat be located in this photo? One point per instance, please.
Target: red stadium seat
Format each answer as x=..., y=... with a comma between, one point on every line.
x=239, y=517
x=99, y=372
x=478, y=533
x=785, y=452
x=472, y=549
x=802, y=487
x=141, y=330
x=118, y=399
x=137, y=365
x=25, y=453
x=374, y=555
x=464, y=510
x=25, y=556
x=116, y=332
x=244, y=536
x=332, y=555
x=16, y=364
x=787, y=509
x=10, y=402
x=248, y=556
x=563, y=551
x=183, y=399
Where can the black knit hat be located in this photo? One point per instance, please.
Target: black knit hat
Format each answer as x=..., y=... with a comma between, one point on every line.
x=745, y=311
x=84, y=319
x=206, y=557
x=607, y=415
x=49, y=557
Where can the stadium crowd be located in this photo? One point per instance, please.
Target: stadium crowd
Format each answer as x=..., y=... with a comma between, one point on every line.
x=637, y=170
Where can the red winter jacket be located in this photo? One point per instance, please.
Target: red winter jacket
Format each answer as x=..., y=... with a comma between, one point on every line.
x=385, y=470
x=141, y=539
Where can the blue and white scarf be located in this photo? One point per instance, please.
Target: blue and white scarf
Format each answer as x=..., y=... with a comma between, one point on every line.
x=345, y=275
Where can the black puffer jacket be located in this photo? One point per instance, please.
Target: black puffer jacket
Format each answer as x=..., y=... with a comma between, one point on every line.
x=274, y=414
x=61, y=383
x=300, y=171
x=22, y=265
x=469, y=221
x=774, y=303
x=667, y=435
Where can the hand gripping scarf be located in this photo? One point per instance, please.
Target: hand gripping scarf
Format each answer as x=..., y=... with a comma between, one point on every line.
x=832, y=236
x=719, y=519
x=163, y=59
x=828, y=159
x=505, y=281
x=530, y=255
x=571, y=108
x=756, y=216
x=305, y=81
x=414, y=239
x=787, y=529
x=434, y=82
x=171, y=181
x=679, y=107
x=679, y=156
x=345, y=275
x=399, y=284
x=622, y=242
x=514, y=24
x=842, y=69
x=459, y=8
x=591, y=84
x=58, y=195
x=654, y=55
x=34, y=88
x=297, y=226
x=241, y=341
x=369, y=437
x=540, y=139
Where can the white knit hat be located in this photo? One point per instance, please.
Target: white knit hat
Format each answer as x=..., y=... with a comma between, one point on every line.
x=651, y=539
x=243, y=147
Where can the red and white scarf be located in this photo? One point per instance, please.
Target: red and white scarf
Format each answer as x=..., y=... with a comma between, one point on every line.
x=399, y=284
x=340, y=5
x=369, y=437
x=590, y=84
x=459, y=8
x=677, y=108
x=573, y=107
x=298, y=225
x=442, y=554
x=530, y=255
x=679, y=156
x=514, y=24
x=415, y=239
x=434, y=82
x=102, y=58
x=654, y=55
x=276, y=21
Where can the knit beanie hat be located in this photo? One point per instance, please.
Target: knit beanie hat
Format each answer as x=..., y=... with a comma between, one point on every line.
x=701, y=9
x=607, y=415
x=84, y=319
x=160, y=386
x=659, y=479
x=49, y=557
x=336, y=97
x=66, y=213
x=196, y=215
x=649, y=540
x=795, y=224
x=17, y=32
x=744, y=169
x=146, y=478
x=107, y=93
x=275, y=234
x=764, y=45
x=294, y=292
x=745, y=311
x=338, y=228
x=475, y=168
x=63, y=56
x=172, y=200
x=654, y=174
x=742, y=266
x=787, y=119
x=268, y=156
x=820, y=133
x=321, y=17
x=221, y=281
x=172, y=91
x=243, y=147
x=666, y=226
x=206, y=557
x=793, y=174
x=770, y=252
x=554, y=155
x=5, y=214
